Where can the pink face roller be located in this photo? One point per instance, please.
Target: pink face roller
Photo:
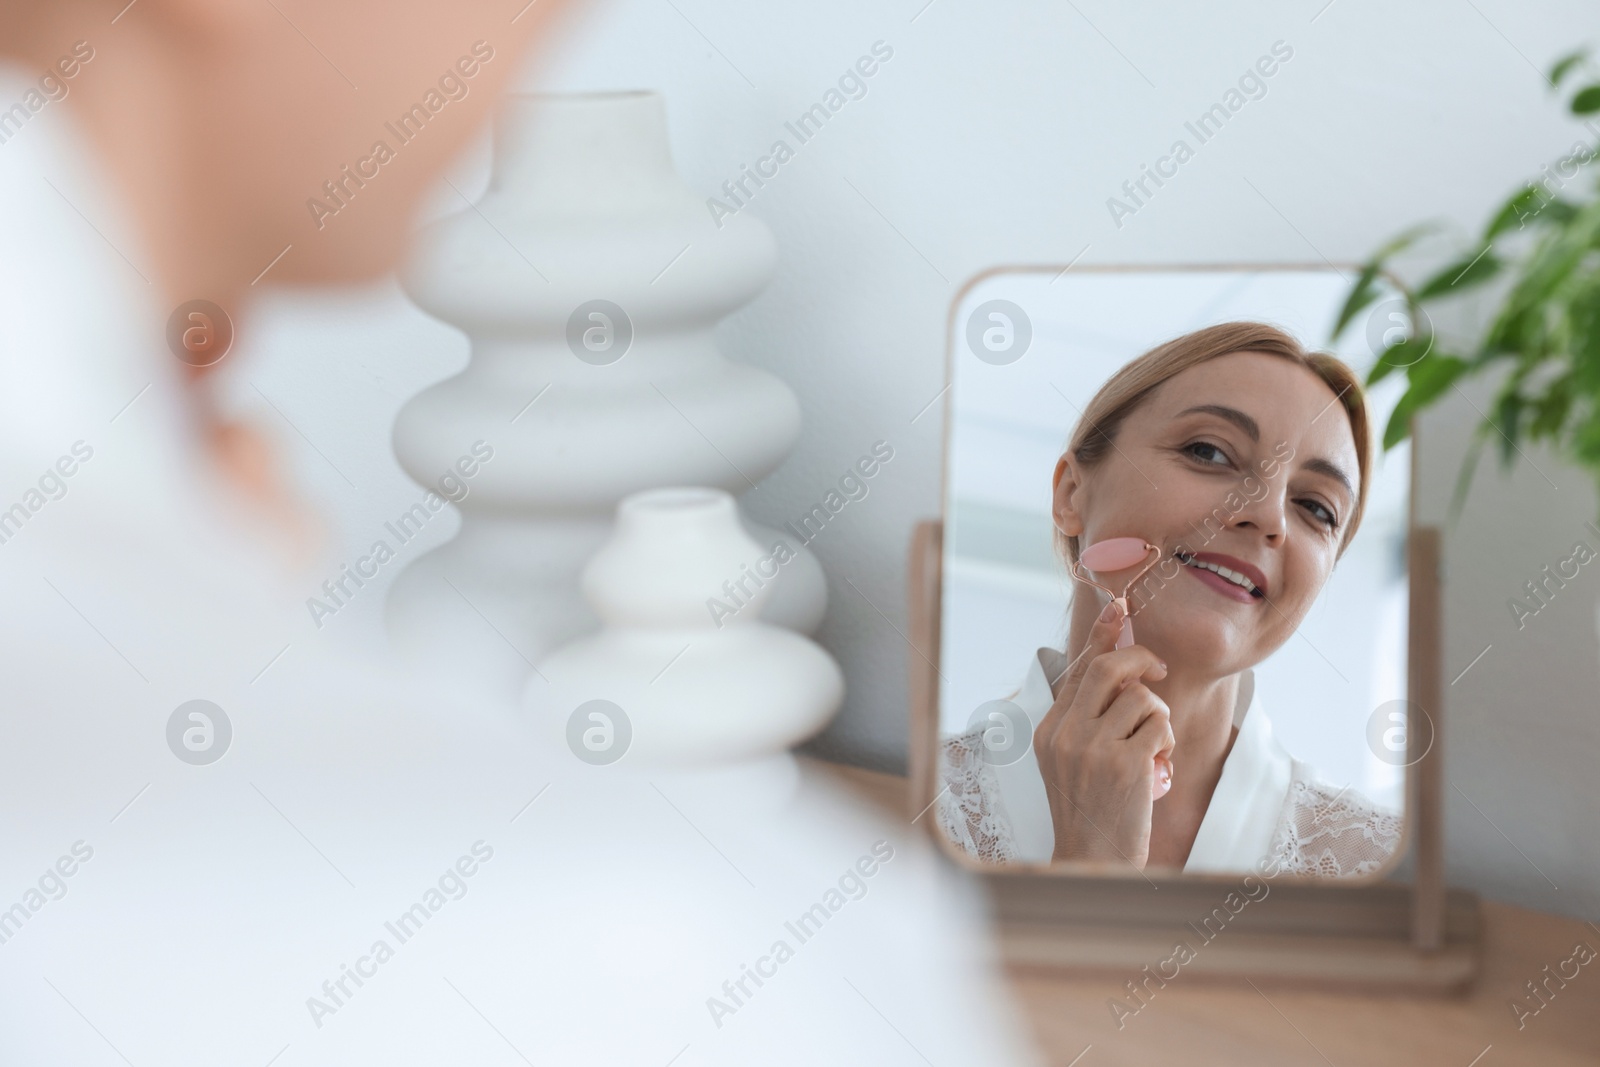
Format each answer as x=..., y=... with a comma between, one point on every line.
x=1120, y=554
x=1117, y=554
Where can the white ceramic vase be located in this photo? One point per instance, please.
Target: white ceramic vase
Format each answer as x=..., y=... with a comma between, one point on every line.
x=668, y=679
x=589, y=279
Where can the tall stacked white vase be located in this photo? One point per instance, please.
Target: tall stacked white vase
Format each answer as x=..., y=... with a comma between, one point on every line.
x=588, y=278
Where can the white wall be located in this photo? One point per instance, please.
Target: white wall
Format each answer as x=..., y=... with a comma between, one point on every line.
x=997, y=136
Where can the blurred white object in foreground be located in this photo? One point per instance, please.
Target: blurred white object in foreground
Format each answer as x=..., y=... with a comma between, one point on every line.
x=375, y=869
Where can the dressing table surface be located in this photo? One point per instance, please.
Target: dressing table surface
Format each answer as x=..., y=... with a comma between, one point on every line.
x=1203, y=1022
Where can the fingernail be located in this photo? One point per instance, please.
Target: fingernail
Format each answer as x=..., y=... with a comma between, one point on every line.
x=1110, y=612
x=1163, y=664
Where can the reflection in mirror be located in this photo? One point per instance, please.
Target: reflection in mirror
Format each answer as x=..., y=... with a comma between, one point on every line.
x=1173, y=618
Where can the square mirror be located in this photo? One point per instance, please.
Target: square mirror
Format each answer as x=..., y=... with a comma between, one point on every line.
x=1234, y=476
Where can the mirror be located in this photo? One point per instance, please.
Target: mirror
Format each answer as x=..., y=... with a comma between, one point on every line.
x=1287, y=672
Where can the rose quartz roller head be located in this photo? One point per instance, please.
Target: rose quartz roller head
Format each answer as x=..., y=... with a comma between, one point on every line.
x=1120, y=554
x=1117, y=554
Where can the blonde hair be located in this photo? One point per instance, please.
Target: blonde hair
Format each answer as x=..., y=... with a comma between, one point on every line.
x=1132, y=385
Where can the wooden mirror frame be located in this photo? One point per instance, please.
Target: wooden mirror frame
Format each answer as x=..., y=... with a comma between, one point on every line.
x=1421, y=937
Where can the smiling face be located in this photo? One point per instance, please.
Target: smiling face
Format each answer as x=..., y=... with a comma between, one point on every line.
x=1243, y=471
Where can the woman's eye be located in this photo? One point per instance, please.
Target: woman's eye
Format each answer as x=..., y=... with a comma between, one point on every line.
x=1206, y=452
x=1321, y=513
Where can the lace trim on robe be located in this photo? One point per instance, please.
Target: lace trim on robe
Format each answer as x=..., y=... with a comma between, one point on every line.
x=1328, y=831
x=969, y=808
x=1323, y=831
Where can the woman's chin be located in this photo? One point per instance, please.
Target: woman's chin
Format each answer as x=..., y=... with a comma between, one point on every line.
x=1198, y=639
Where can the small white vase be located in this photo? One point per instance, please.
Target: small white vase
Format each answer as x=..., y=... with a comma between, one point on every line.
x=668, y=680
x=583, y=206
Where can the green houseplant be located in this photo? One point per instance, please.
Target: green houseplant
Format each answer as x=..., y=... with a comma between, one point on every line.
x=1545, y=242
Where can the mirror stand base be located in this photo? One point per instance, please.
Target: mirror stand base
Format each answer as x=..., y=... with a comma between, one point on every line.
x=1296, y=935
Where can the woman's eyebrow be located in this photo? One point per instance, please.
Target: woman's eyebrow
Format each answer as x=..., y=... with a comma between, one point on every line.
x=1332, y=470
x=1233, y=415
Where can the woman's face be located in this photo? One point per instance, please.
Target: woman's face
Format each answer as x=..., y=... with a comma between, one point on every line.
x=1247, y=463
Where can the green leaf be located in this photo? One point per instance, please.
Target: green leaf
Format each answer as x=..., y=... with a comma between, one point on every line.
x=1399, y=426
x=1398, y=356
x=1556, y=212
x=1523, y=204
x=1362, y=293
x=1460, y=276
x=1550, y=409
x=1366, y=288
x=1429, y=377
x=1432, y=375
x=1506, y=421
x=1405, y=239
x=1469, y=466
x=1548, y=267
x=1565, y=64
x=1586, y=441
x=1585, y=346
x=1587, y=100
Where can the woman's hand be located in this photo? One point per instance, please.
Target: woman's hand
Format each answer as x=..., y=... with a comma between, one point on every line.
x=1100, y=746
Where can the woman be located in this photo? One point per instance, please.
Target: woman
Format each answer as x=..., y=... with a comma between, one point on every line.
x=1245, y=459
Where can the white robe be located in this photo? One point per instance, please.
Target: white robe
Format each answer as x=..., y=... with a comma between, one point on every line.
x=1268, y=807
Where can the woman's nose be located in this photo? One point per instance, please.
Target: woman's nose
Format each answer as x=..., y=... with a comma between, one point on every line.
x=1266, y=512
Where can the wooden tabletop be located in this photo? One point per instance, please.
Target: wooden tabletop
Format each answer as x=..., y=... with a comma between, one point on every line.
x=1238, y=1025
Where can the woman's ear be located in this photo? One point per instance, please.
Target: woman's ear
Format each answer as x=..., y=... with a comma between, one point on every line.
x=1065, y=490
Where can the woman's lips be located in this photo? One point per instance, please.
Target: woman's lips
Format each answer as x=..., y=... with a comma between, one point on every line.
x=1223, y=586
x=1237, y=567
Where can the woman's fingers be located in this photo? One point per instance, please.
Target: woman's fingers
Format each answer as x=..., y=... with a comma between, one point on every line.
x=1102, y=638
x=1110, y=674
x=1097, y=745
x=1154, y=737
x=1100, y=672
x=1141, y=724
x=1129, y=710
